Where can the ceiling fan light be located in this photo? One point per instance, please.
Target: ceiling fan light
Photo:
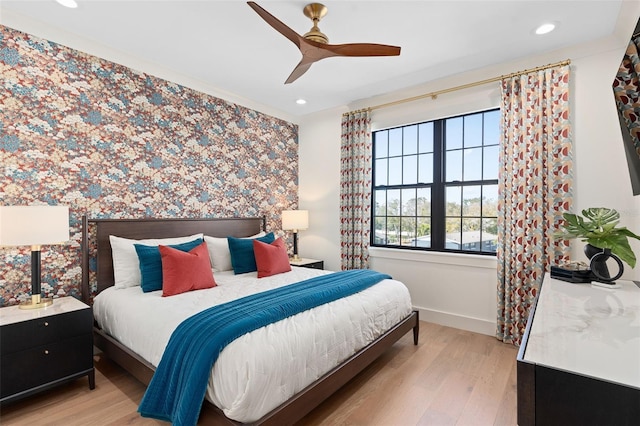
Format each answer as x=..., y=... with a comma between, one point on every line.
x=316, y=35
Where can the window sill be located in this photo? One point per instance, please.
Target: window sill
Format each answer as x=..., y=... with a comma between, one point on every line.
x=459, y=259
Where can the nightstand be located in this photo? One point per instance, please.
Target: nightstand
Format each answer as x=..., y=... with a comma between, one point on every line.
x=307, y=263
x=42, y=348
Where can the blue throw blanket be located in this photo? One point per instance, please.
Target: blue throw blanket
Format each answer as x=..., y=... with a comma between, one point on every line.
x=177, y=389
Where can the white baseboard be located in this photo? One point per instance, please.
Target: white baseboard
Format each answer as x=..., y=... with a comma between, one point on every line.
x=476, y=325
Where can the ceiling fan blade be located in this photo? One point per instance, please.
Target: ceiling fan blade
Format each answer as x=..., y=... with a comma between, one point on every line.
x=313, y=52
x=362, y=49
x=276, y=24
x=297, y=72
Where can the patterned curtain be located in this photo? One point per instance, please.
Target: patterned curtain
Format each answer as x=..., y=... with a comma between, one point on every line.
x=535, y=187
x=355, y=189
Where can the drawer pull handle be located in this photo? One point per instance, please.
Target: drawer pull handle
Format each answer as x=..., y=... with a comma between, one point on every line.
x=46, y=324
x=46, y=352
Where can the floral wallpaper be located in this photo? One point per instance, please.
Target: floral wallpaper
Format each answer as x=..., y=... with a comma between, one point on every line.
x=112, y=142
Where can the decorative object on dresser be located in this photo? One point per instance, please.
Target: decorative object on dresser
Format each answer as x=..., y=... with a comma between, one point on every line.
x=295, y=220
x=578, y=361
x=605, y=240
x=598, y=264
x=40, y=349
x=573, y=272
x=34, y=226
x=307, y=263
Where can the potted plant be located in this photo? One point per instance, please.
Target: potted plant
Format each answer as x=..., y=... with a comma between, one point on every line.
x=598, y=228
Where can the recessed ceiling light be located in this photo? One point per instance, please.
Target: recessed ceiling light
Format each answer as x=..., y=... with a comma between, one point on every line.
x=545, y=28
x=301, y=102
x=68, y=3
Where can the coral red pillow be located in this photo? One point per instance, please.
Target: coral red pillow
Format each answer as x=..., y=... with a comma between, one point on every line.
x=185, y=271
x=271, y=259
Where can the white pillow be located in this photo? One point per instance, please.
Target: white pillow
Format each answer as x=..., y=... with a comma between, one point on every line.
x=126, y=266
x=219, y=253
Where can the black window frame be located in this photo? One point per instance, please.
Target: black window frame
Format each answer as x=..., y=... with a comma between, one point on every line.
x=438, y=188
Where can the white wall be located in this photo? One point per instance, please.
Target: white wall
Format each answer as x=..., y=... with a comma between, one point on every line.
x=460, y=290
x=319, y=175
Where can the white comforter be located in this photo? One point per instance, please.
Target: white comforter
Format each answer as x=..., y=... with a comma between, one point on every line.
x=262, y=369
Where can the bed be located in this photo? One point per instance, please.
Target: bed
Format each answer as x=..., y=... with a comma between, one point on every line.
x=96, y=247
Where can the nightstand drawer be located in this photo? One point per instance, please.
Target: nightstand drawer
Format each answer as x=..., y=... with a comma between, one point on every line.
x=307, y=263
x=21, y=371
x=314, y=265
x=41, y=331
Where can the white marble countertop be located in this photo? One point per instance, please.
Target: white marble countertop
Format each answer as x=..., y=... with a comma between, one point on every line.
x=588, y=330
x=13, y=314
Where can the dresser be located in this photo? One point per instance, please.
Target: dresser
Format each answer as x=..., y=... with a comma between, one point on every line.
x=579, y=361
x=41, y=348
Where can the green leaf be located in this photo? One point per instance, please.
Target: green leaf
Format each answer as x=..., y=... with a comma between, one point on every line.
x=628, y=233
x=601, y=215
x=606, y=227
x=619, y=245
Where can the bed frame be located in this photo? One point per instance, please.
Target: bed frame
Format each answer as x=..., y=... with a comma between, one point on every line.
x=287, y=413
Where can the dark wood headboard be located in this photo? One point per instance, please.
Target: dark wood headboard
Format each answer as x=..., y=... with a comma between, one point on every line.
x=152, y=228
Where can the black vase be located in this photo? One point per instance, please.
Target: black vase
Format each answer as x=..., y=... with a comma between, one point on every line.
x=598, y=263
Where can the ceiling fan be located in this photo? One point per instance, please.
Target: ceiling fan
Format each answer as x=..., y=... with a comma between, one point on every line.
x=315, y=46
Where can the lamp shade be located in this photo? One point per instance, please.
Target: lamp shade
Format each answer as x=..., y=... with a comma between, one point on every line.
x=295, y=219
x=33, y=225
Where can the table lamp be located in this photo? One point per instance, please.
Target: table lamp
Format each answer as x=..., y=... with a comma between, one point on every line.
x=295, y=220
x=34, y=226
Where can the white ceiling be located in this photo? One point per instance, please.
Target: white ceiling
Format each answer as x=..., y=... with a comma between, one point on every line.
x=226, y=47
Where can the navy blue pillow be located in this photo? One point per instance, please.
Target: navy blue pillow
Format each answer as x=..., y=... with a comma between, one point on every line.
x=242, y=258
x=151, y=263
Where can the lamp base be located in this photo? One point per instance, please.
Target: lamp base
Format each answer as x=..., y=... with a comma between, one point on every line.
x=36, y=302
x=296, y=258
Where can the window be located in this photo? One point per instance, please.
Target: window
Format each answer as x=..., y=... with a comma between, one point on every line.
x=435, y=184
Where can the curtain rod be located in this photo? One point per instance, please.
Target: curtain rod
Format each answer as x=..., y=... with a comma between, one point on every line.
x=434, y=95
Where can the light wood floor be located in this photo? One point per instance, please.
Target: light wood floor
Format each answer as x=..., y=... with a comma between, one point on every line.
x=452, y=377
